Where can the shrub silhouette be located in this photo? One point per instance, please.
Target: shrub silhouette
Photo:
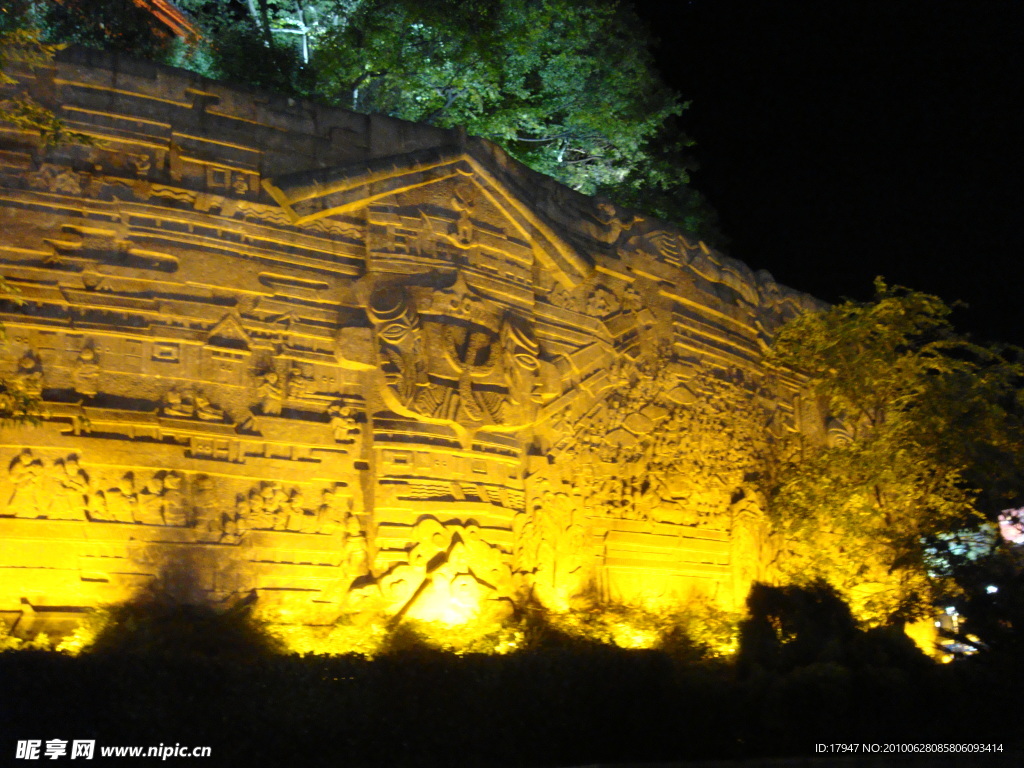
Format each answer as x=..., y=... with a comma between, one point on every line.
x=793, y=627
x=166, y=628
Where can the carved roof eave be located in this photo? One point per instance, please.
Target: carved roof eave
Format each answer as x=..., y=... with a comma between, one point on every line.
x=310, y=195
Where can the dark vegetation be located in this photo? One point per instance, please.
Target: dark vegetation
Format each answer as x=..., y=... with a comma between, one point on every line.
x=804, y=674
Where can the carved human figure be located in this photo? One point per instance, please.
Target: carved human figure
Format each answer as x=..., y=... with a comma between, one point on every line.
x=275, y=502
x=224, y=524
x=300, y=519
x=260, y=518
x=243, y=509
x=485, y=560
x=431, y=540
x=550, y=546
x=72, y=497
x=606, y=226
x=342, y=421
x=122, y=500
x=141, y=163
x=299, y=384
x=96, y=507
x=149, y=508
x=175, y=507
x=28, y=379
x=86, y=372
x=471, y=352
x=205, y=410
x=334, y=510
x=270, y=392
x=206, y=510
x=231, y=526
x=357, y=553
x=521, y=366
x=26, y=473
x=175, y=404
x=463, y=201
x=54, y=178
x=658, y=503
x=401, y=344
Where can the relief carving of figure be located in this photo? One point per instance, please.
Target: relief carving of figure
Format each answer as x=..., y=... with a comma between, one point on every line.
x=232, y=526
x=523, y=369
x=26, y=473
x=487, y=374
x=656, y=501
x=204, y=410
x=270, y=392
x=141, y=164
x=301, y=519
x=356, y=556
x=463, y=201
x=175, y=404
x=550, y=547
x=343, y=422
x=402, y=347
x=560, y=297
x=175, y=502
x=55, y=178
x=28, y=379
x=631, y=299
x=149, y=507
x=268, y=507
x=334, y=510
x=121, y=500
x=299, y=385
x=253, y=507
x=72, y=497
x=194, y=405
x=606, y=226
x=470, y=352
x=86, y=372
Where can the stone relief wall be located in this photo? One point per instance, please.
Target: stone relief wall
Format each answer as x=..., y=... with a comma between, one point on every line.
x=350, y=364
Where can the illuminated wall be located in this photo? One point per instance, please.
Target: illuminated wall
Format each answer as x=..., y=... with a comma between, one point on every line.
x=352, y=364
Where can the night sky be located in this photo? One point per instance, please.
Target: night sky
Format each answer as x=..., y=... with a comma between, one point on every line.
x=843, y=140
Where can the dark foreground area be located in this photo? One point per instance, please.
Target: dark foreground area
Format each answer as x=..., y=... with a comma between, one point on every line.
x=543, y=707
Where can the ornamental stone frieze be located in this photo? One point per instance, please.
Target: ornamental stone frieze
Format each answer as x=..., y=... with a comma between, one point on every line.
x=347, y=364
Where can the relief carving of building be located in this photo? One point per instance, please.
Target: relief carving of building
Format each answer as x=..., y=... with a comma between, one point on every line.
x=347, y=364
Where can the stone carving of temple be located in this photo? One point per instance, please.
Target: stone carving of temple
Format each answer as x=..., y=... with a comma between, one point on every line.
x=344, y=363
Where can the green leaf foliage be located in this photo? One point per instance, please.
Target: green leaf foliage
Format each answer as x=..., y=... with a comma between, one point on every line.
x=568, y=88
x=925, y=439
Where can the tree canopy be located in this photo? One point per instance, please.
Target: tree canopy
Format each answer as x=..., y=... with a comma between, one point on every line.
x=570, y=88
x=925, y=437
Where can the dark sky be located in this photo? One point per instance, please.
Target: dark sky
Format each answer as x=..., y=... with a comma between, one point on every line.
x=844, y=140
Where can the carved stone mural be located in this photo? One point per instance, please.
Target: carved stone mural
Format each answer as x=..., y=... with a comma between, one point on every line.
x=356, y=365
